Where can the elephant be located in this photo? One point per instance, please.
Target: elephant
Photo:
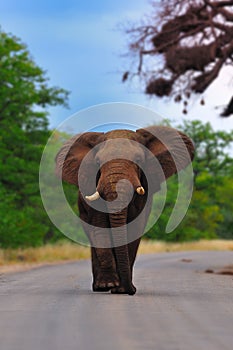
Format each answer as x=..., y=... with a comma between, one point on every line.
x=113, y=175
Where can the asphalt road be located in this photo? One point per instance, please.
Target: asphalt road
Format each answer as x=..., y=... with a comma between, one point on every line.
x=177, y=306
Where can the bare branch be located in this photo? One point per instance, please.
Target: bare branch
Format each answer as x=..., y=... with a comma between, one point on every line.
x=195, y=40
x=228, y=15
x=218, y=4
x=204, y=80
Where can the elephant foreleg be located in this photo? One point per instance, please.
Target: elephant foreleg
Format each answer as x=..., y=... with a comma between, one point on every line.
x=104, y=270
x=133, y=248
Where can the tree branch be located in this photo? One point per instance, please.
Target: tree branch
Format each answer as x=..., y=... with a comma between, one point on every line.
x=228, y=15
x=195, y=44
x=204, y=80
x=218, y=4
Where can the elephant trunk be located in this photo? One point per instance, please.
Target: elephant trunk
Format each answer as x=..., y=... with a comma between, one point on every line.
x=118, y=211
x=119, y=235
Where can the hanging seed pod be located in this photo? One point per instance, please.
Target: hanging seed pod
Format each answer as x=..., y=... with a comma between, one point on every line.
x=202, y=102
x=178, y=98
x=125, y=76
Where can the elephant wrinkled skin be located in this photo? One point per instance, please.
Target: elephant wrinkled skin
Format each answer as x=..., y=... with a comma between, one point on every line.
x=109, y=161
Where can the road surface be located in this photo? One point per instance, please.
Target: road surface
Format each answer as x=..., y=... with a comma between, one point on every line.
x=177, y=307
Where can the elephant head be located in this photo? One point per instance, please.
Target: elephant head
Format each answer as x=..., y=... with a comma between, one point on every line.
x=113, y=173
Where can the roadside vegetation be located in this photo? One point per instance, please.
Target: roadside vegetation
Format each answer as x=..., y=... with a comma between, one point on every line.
x=26, y=233
x=12, y=260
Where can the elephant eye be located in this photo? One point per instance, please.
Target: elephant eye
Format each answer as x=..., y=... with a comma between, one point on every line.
x=138, y=160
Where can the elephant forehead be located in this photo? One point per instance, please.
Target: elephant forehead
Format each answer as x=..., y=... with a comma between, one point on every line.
x=120, y=148
x=127, y=134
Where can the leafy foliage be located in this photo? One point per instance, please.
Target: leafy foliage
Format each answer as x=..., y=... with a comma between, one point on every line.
x=210, y=212
x=24, y=96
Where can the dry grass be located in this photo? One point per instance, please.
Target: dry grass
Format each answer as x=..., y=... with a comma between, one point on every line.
x=21, y=259
x=159, y=247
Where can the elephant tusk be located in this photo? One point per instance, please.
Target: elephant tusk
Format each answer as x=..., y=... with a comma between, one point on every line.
x=93, y=197
x=140, y=190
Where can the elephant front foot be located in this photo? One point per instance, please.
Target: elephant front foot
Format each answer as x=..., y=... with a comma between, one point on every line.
x=130, y=290
x=105, y=281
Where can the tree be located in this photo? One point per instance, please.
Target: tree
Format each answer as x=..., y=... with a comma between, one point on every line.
x=24, y=97
x=212, y=149
x=210, y=212
x=183, y=47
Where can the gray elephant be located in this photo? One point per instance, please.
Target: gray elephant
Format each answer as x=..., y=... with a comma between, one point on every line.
x=101, y=161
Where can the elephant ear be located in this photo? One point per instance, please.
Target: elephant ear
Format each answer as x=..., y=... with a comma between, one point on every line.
x=70, y=156
x=173, y=149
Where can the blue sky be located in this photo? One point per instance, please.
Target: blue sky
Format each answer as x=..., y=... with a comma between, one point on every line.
x=79, y=45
